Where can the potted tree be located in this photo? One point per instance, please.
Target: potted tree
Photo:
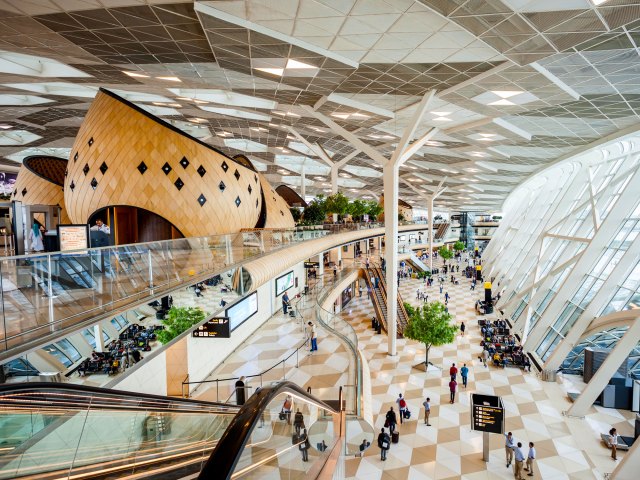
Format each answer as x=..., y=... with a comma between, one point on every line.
x=178, y=320
x=458, y=246
x=445, y=253
x=429, y=324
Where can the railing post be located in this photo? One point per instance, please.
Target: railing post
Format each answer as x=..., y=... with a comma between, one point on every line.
x=150, y=269
x=217, y=391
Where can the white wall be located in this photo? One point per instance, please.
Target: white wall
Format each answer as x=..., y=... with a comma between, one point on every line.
x=205, y=354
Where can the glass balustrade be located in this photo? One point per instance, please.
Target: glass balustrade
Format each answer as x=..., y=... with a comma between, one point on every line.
x=54, y=432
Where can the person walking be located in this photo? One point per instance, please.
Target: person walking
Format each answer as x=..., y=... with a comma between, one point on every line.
x=298, y=421
x=446, y=298
x=485, y=357
x=313, y=336
x=427, y=411
x=613, y=440
x=402, y=406
x=304, y=445
x=441, y=289
x=462, y=328
x=335, y=272
x=453, y=371
x=464, y=373
x=509, y=445
x=360, y=290
x=452, y=390
x=384, y=442
x=531, y=457
x=519, y=462
x=391, y=420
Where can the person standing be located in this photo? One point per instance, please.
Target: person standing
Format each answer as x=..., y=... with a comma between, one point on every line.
x=360, y=290
x=453, y=371
x=452, y=390
x=390, y=420
x=613, y=440
x=384, y=442
x=335, y=272
x=485, y=357
x=462, y=328
x=286, y=408
x=464, y=373
x=509, y=445
x=519, y=461
x=298, y=421
x=367, y=263
x=402, y=406
x=530, y=459
x=285, y=303
x=35, y=237
x=427, y=411
x=441, y=288
x=313, y=337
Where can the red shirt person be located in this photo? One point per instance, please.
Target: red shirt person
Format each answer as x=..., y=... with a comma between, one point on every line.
x=453, y=371
x=452, y=390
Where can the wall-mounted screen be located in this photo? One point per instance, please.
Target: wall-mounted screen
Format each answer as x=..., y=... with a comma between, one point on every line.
x=243, y=310
x=284, y=283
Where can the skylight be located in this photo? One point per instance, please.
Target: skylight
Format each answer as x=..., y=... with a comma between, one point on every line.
x=57, y=88
x=21, y=64
x=245, y=145
x=17, y=137
x=9, y=99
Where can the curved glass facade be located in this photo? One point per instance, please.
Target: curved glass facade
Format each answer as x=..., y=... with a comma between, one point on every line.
x=567, y=250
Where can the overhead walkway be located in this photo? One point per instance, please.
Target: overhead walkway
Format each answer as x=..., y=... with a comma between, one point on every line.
x=55, y=431
x=46, y=297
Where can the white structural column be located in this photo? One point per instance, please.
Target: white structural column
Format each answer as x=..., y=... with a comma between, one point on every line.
x=601, y=378
x=321, y=262
x=430, y=213
x=97, y=332
x=334, y=178
x=303, y=186
x=391, y=173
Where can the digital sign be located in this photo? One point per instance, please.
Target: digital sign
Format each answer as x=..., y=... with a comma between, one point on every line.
x=284, y=283
x=311, y=264
x=242, y=310
x=487, y=413
x=218, y=327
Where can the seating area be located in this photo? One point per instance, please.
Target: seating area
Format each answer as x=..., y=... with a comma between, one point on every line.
x=503, y=347
x=122, y=353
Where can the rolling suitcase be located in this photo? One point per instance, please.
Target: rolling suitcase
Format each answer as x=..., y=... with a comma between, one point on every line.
x=395, y=437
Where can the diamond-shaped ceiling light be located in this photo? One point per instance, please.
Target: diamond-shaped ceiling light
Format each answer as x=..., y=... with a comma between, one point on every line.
x=505, y=97
x=54, y=152
x=233, y=112
x=8, y=99
x=17, y=137
x=21, y=64
x=159, y=111
x=245, y=145
x=284, y=67
x=141, y=96
x=57, y=88
x=224, y=97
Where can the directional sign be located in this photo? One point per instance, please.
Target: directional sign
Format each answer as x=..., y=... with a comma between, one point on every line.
x=215, y=328
x=487, y=413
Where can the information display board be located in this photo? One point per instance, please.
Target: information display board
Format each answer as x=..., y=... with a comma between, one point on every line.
x=487, y=413
x=217, y=327
x=241, y=311
x=73, y=237
x=311, y=264
x=284, y=283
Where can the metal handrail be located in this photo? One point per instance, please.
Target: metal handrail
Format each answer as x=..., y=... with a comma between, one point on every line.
x=218, y=380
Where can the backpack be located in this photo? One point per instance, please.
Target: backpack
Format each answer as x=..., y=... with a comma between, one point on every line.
x=403, y=404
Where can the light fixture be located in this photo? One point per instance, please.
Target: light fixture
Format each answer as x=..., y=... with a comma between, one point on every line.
x=320, y=179
x=441, y=119
x=272, y=71
x=169, y=79
x=5, y=127
x=296, y=64
x=471, y=170
x=342, y=116
x=283, y=171
x=441, y=114
x=197, y=120
x=507, y=93
x=598, y=2
x=345, y=175
x=224, y=134
x=502, y=102
x=360, y=115
x=135, y=74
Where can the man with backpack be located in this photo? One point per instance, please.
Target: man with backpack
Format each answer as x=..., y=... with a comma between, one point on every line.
x=402, y=406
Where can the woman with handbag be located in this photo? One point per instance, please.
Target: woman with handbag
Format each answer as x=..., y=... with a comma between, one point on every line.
x=304, y=445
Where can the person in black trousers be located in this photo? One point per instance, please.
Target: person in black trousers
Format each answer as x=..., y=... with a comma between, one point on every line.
x=391, y=420
x=384, y=442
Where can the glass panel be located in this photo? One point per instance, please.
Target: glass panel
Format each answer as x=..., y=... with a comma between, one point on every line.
x=60, y=356
x=69, y=350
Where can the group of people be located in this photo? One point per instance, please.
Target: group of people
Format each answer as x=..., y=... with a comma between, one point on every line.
x=500, y=347
x=514, y=451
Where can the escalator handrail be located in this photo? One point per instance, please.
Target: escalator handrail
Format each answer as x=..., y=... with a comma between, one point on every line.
x=81, y=397
x=224, y=458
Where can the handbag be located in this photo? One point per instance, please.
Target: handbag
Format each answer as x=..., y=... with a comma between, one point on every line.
x=282, y=415
x=386, y=423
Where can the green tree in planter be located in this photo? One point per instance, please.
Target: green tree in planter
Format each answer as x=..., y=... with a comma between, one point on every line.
x=337, y=203
x=179, y=320
x=314, y=213
x=445, y=253
x=458, y=246
x=430, y=324
x=357, y=209
x=296, y=213
x=373, y=210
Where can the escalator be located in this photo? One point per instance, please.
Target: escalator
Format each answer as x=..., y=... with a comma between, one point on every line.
x=60, y=431
x=380, y=293
x=416, y=263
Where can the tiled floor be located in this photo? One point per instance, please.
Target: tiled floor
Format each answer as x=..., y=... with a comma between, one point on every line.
x=567, y=448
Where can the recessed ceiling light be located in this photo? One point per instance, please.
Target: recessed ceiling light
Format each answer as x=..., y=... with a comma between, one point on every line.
x=224, y=134
x=441, y=119
x=296, y=64
x=327, y=190
x=5, y=127
x=272, y=71
x=197, y=120
x=169, y=79
x=507, y=93
x=343, y=116
x=277, y=112
x=345, y=175
x=134, y=74
x=320, y=179
x=471, y=170
x=291, y=114
x=598, y=2
x=432, y=143
x=502, y=102
x=284, y=172
x=360, y=115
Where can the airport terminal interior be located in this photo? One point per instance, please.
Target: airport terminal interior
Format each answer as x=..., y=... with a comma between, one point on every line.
x=320, y=239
